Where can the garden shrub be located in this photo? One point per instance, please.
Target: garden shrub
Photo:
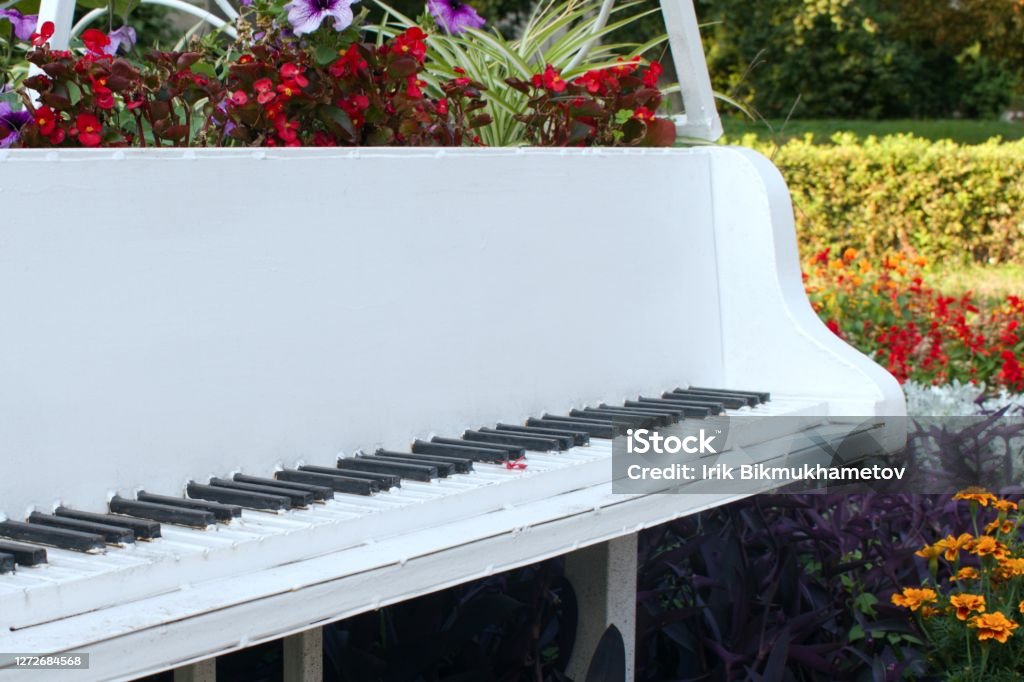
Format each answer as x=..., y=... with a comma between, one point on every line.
x=946, y=202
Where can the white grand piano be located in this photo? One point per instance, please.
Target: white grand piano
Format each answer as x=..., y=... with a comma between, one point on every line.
x=192, y=338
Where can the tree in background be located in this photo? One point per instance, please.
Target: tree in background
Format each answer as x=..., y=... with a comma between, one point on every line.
x=866, y=58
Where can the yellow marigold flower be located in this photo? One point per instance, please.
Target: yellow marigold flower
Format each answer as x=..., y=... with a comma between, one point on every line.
x=930, y=552
x=966, y=604
x=966, y=573
x=865, y=267
x=993, y=626
x=836, y=264
x=1005, y=505
x=952, y=545
x=987, y=545
x=920, y=261
x=974, y=494
x=914, y=598
x=849, y=254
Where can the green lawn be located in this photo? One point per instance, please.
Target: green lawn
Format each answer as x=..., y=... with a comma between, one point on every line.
x=984, y=281
x=962, y=131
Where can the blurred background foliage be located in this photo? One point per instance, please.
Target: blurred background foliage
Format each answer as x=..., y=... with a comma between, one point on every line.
x=873, y=59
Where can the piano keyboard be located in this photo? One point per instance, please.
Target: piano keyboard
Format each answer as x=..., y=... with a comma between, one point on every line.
x=59, y=563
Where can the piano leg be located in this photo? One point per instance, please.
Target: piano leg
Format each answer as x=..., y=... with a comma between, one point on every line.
x=303, y=656
x=203, y=671
x=603, y=577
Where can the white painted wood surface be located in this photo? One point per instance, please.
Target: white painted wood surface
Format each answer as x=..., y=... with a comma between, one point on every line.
x=354, y=299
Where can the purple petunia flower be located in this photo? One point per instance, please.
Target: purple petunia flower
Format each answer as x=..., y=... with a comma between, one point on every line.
x=124, y=36
x=454, y=16
x=305, y=16
x=24, y=24
x=11, y=123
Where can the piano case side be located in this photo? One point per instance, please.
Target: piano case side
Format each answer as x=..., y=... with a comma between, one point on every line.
x=771, y=335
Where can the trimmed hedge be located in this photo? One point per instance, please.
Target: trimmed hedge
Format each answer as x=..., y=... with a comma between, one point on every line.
x=940, y=200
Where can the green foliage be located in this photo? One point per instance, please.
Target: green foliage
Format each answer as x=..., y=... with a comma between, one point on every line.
x=849, y=58
x=947, y=202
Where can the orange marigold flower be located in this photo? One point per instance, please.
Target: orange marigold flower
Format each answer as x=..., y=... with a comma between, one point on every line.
x=1020, y=607
x=975, y=494
x=914, y=598
x=1005, y=526
x=930, y=552
x=930, y=611
x=966, y=604
x=849, y=254
x=1005, y=505
x=953, y=545
x=987, y=545
x=993, y=626
x=966, y=573
x=1011, y=567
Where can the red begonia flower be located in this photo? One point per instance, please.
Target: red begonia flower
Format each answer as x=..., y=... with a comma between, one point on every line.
x=95, y=40
x=89, y=129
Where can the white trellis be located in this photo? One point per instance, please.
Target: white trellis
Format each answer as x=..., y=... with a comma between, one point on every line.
x=700, y=120
x=179, y=5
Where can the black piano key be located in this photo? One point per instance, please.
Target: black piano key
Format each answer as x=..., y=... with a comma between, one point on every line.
x=564, y=441
x=595, y=429
x=243, y=498
x=662, y=406
x=164, y=513
x=579, y=438
x=513, y=451
x=444, y=469
x=535, y=443
x=329, y=478
x=222, y=512
x=762, y=396
x=385, y=481
x=114, y=535
x=656, y=417
x=618, y=427
x=698, y=410
x=673, y=415
x=74, y=540
x=24, y=555
x=466, y=450
x=321, y=493
x=6, y=563
x=561, y=442
x=732, y=402
x=460, y=465
x=414, y=472
x=298, y=498
x=630, y=420
x=143, y=529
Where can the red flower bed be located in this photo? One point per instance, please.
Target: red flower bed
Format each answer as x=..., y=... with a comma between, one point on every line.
x=889, y=312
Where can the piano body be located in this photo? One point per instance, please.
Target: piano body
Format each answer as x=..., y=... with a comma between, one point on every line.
x=176, y=316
